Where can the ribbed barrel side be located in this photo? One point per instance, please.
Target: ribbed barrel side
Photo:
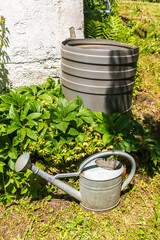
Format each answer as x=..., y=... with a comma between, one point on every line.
x=101, y=72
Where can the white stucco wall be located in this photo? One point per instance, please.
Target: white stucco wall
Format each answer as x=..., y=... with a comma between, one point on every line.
x=37, y=28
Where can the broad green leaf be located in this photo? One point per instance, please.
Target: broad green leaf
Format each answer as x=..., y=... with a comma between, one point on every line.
x=11, y=164
x=149, y=140
x=49, y=136
x=62, y=103
x=40, y=126
x=44, y=130
x=50, y=83
x=107, y=138
x=80, y=137
x=55, y=144
x=24, y=112
x=14, y=190
x=14, y=115
x=107, y=119
x=70, y=117
x=118, y=146
x=18, y=98
x=3, y=154
x=99, y=116
x=31, y=123
x=127, y=146
x=88, y=120
x=40, y=92
x=79, y=121
x=34, y=116
x=34, y=89
x=24, y=89
x=73, y=131
x=69, y=108
x=2, y=164
x=84, y=112
x=46, y=115
x=12, y=128
x=47, y=97
x=154, y=157
x=65, y=141
x=4, y=107
x=24, y=190
x=37, y=106
x=28, y=141
x=79, y=102
x=16, y=141
x=121, y=123
x=103, y=128
x=3, y=128
x=21, y=133
x=13, y=153
x=56, y=115
x=7, y=99
x=31, y=134
x=62, y=126
x=15, y=96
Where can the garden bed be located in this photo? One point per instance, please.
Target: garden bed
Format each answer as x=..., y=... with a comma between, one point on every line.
x=53, y=214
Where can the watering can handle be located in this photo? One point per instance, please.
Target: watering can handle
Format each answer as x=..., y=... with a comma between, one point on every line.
x=109, y=153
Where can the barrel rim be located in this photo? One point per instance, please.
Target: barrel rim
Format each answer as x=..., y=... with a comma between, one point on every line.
x=70, y=43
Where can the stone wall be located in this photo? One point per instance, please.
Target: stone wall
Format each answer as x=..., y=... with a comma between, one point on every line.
x=37, y=28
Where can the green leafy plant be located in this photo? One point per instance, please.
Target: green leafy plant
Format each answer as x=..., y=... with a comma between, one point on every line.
x=105, y=26
x=21, y=122
x=4, y=58
x=60, y=135
x=94, y=4
x=117, y=130
x=148, y=148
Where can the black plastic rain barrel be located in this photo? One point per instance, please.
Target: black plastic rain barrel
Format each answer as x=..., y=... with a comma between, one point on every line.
x=99, y=71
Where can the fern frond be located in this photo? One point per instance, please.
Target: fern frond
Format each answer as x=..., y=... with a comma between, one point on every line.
x=116, y=28
x=94, y=29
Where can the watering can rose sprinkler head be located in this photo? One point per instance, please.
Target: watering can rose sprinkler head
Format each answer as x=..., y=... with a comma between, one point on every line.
x=100, y=179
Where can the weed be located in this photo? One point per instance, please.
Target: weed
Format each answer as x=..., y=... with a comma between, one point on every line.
x=4, y=58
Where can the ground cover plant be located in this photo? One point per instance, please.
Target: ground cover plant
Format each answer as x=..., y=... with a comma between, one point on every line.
x=60, y=135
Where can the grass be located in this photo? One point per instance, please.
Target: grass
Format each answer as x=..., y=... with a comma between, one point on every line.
x=147, y=38
x=138, y=215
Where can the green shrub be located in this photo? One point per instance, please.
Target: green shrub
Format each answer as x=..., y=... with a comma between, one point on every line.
x=60, y=135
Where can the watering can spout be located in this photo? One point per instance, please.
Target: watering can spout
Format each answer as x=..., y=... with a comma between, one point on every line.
x=24, y=162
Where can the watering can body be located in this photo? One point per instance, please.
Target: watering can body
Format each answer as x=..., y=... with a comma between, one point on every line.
x=100, y=186
x=100, y=179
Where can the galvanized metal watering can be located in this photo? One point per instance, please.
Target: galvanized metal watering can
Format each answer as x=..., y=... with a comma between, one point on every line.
x=100, y=179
